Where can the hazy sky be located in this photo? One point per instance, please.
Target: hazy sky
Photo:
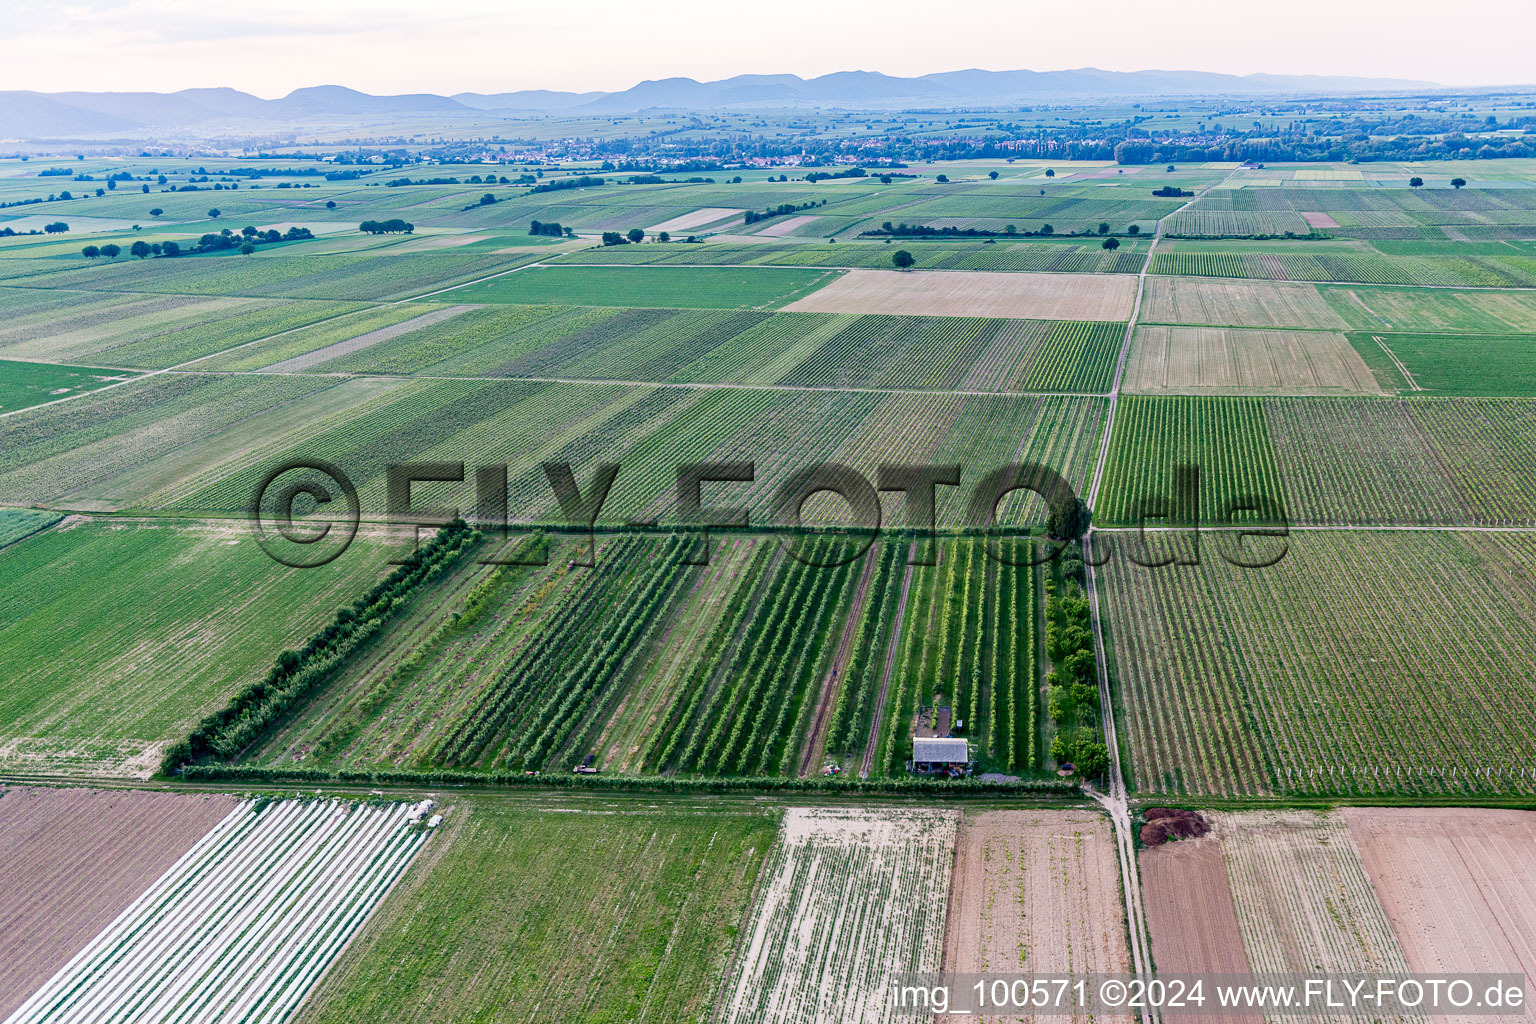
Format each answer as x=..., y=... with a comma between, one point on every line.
x=269, y=47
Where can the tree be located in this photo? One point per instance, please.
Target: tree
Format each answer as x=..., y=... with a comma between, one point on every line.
x=139, y=249
x=902, y=259
x=664, y=236
x=1068, y=518
x=58, y=227
x=156, y=212
x=1172, y=168
x=1050, y=173
x=111, y=184
x=247, y=249
x=942, y=179
x=1133, y=230
x=1046, y=229
x=992, y=175
x=487, y=199
x=1458, y=183
x=111, y=251
x=1103, y=227
x=1415, y=182
x=248, y=231
x=1111, y=243
x=614, y=238
x=144, y=189
x=90, y=252
x=330, y=204
x=213, y=214
x=170, y=249
x=635, y=235
x=1011, y=229
x=885, y=179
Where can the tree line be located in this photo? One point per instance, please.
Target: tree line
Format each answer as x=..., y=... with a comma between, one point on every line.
x=296, y=674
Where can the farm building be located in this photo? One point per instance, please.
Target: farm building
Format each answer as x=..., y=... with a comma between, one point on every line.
x=934, y=755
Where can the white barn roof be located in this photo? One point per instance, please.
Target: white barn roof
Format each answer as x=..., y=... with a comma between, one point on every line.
x=947, y=751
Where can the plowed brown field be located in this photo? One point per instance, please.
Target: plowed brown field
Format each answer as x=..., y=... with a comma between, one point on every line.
x=1456, y=884
x=1036, y=892
x=71, y=860
x=1188, y=902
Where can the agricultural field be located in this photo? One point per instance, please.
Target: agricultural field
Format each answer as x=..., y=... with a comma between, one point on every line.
x=1221, y=361
x=1190, y=916
x=1064, y=257
x=1275, y=892
x=16, y=523
x=206, y=611
x=1036, y=892
x=1251, y=681
x=72, y=860
x=144, y=331
x=934, y=293
x=23, y=385
x=1323, y=461
x=791, y=350
x=245, y=922
x=127, y=453
x=696, y=287
x=1302, y=897
x=848, y=900
x=1492, y=366
x=1451, y=883
x=538, y=668
x=602, y=916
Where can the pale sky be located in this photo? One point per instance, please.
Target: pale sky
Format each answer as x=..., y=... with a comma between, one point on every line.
x=269, y=47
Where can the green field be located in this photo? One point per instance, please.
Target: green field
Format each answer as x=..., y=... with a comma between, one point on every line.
x=1332, y=461
x=695, y=287
x=650, y=666
x=16, y=523
x=193, y=612
x=601, y=917
x=810, y=350
x=196, y=444
x=1492, y=366
x=27, y=384
x=1359, y=664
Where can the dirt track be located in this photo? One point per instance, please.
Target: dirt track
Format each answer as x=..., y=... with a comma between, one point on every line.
x=816, y=741
x=71, y=860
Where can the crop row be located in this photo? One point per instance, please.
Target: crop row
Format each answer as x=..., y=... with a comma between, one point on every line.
x=995, y=256
x=1367, y=268
x=1241, y=681
x=245, y=924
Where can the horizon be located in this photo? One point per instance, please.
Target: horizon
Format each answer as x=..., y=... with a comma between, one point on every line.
x=390, y=47
x=447, y=93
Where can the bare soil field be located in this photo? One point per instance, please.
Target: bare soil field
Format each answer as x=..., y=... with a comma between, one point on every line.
x=1318, y=219
x=71, y=860
x=787, y=226
x=1188, y=901
x=1303, y=901
x=698, y=218
x=847, y=900
x=1035, y=892
x=941, y=293
x=1220, y=361
x=1192, y=300
x=1455, y=884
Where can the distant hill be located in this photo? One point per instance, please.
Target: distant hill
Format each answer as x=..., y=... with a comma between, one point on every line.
x=33, y=115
